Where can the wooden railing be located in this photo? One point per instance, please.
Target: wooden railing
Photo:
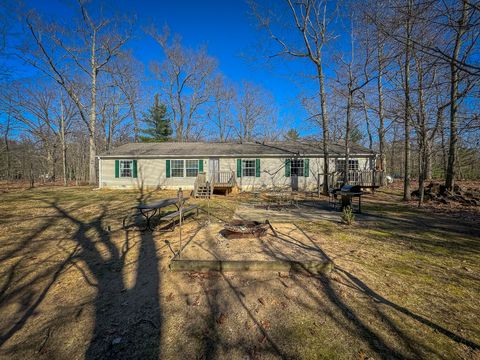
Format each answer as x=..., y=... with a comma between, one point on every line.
x=366, y=178
x=222, y=178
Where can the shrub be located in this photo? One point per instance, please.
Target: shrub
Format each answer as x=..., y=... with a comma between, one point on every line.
x=347, y=215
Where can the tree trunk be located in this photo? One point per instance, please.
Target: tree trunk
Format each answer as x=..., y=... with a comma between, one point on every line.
x=7, y=148
x=325, y=131
x=92, y=179
x=63, y=145
x=367, y=122
x=406, y=175
x=347, y=131
x=135, y=124
x=381, y=115
x=422, y=133
x=454, y=79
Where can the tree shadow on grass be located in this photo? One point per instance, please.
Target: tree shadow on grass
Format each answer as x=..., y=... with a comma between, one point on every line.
x=364, y=330
x=127, y=321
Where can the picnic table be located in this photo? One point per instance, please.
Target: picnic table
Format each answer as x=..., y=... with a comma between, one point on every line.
x=148, y=211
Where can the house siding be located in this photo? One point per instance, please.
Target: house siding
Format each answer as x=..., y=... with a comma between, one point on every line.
x=151, y=173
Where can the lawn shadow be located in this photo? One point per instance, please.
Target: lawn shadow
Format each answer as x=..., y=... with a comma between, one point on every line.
x=365, y=330
x=127, y=316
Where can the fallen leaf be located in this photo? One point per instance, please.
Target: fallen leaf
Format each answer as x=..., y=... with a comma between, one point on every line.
x=265, y=324
x=221, y=319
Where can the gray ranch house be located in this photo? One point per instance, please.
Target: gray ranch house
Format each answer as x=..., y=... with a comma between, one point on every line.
x=295, y=165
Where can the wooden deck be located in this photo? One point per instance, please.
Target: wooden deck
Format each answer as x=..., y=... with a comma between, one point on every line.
x=368, y=179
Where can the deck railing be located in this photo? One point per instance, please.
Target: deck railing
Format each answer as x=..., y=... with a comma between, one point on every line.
x=222, y=178
x=366, y=178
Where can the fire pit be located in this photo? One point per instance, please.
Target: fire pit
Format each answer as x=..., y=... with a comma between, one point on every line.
x=240, y=229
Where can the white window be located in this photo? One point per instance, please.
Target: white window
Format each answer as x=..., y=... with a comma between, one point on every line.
x=248, y=167
x=340, y=165
x=126, y=168
x=177, y=168
x=191, y=168
x=297, y=166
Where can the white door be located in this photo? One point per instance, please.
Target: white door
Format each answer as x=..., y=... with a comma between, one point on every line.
x=214, y=169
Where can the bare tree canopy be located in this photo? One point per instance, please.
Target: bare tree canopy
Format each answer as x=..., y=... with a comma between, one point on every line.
x=400, y=77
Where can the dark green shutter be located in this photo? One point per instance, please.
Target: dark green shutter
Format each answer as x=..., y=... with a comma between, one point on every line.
x=306, y=167
x=239, y=167
x=200, y=166
x=167, y=165
x=257, y=167
x=134, y=172
x=287, y=167
x=117, y=168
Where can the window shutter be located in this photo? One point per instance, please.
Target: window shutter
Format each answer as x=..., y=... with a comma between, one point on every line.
x=117, y=168
x=287, y=167
x=134, y=170
x=306, y=167
x=239, y=167
x=257, y=167
x=167, y=165
x=200, y=166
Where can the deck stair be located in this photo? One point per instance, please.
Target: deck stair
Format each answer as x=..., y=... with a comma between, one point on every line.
x=221, y=181
x=202, y=188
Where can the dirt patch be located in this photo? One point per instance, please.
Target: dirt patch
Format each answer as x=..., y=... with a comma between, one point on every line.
x=285, y=242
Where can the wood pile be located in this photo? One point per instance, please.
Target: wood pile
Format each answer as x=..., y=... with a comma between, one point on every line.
x=439, y=193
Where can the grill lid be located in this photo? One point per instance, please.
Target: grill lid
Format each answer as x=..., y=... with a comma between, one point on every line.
x=351, y=188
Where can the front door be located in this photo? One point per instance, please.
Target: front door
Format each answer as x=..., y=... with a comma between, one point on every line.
x=214, y=169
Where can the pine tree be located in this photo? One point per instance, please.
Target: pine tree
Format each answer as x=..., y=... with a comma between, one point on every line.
x=292, y=135
x=158, y=126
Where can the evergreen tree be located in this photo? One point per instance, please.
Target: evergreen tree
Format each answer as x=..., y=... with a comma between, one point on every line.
x=158, y=127
x=292, y=135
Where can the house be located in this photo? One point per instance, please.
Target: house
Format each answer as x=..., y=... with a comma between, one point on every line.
x=297, y=165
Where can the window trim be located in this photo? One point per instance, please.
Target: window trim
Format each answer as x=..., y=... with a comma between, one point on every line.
x=121, y=168
x=302, y=167
x=184, y=168
x=353, y=165
x=172, y=168
x=253, y=167
x=191, y=168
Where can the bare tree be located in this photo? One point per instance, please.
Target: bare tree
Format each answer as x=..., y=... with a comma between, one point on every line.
x=47, y=116
x=87, y=49
x=185, y=77
x=255, y=113
x=357, y=78
x=126, y=75
x=311, y=21
x=220, y=112
x=460, y=26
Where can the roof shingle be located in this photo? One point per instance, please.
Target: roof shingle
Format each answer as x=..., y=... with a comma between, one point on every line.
x=196, y=149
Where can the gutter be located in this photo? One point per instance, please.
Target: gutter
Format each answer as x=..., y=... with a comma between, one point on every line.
x=315, y=155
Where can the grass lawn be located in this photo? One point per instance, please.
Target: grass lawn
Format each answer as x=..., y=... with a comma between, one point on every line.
x=406, y=284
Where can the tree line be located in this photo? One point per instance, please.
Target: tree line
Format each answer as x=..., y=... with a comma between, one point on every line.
x=399, y=76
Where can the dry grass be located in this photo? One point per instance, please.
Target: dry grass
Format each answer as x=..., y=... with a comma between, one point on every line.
x=406, y=286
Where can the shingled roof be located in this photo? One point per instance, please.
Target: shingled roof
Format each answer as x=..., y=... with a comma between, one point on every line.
x=250, y=149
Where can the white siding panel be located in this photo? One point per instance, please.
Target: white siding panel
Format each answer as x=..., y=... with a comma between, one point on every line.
x=152, y=174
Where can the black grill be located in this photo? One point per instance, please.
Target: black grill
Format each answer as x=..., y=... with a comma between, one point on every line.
x=351, y=188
